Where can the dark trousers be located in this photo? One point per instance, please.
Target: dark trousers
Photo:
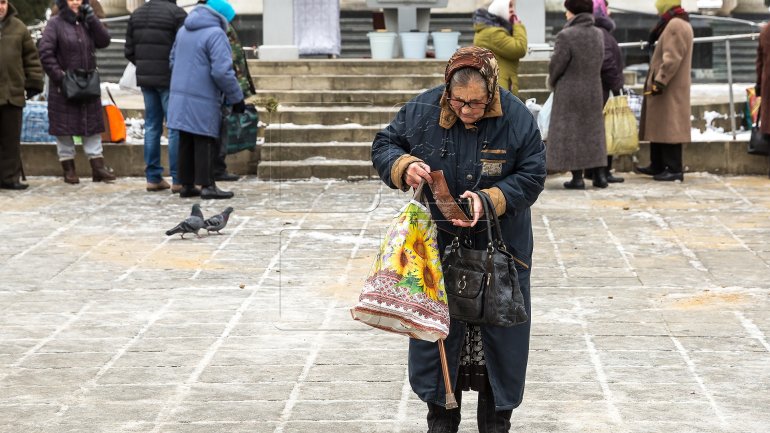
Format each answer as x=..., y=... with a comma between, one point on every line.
x=666, y=156
x=489, y=420
x=196, y=154
x=218, y=165
x=10, y=148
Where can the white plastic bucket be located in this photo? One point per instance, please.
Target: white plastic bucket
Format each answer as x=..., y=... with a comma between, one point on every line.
x=445, y=44
x=383, y=44
x=414, y=44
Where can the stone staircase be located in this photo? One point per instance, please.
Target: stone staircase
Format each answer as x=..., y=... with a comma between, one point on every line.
x=330, y=110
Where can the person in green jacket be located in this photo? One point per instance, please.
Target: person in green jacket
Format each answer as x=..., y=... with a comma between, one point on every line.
x=499, y=30
x=21, y=77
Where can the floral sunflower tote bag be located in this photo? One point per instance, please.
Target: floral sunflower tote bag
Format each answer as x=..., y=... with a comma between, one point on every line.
x=404, y=292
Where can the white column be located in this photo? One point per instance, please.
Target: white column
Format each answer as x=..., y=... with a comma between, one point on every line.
x=532, y=15
x=751, y=6
x=278, y=31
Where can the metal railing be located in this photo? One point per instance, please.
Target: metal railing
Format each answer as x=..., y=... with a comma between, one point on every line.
x=706, y=39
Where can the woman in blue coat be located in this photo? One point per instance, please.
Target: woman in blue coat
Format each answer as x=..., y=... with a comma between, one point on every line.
x=484, y=139
x=201, y=75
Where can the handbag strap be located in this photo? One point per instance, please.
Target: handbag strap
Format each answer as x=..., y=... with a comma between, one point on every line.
x=492, y=219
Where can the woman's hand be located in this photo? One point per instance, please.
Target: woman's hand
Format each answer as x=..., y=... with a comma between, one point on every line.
x=416, y=172
x=476, y=208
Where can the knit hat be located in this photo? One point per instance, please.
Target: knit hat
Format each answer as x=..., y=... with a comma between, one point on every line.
x=600, y=8
x=664, y=5
x=579, y=6
x=223, y=7
x=499, y=8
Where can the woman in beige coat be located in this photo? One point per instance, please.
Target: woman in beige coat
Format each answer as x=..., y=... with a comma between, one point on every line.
x=665, y=121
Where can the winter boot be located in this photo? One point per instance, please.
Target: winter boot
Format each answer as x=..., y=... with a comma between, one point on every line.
x=99, y=172
x=68, y=165
x=610, y=177
x=600, y=177
x=577, y=181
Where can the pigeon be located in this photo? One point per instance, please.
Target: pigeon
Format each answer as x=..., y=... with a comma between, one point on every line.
x=191, y=224
x=217, y=222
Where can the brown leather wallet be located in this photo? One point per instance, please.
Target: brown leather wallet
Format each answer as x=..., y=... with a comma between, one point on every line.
x=444, y=200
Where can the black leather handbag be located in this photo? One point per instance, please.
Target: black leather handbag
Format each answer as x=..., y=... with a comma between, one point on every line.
x=482, y=285
x=759, y=143
x=81, y=85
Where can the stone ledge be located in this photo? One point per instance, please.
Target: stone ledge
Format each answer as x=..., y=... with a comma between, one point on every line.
x=719, y=157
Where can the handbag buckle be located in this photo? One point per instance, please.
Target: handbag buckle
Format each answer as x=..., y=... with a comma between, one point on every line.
x=462, y=285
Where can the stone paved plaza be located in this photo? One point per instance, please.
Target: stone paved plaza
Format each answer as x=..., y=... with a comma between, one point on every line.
x=650, y=311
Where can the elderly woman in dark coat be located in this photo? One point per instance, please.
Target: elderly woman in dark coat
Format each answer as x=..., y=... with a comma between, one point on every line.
x=576, y=132
x=484, y=139
x=69, y=42
x=612, y=70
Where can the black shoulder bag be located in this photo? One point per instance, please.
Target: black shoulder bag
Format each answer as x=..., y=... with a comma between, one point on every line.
x=81, y=85
x=482, y=285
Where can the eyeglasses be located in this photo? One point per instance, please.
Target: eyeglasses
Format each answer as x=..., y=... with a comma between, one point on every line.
x=458, y=104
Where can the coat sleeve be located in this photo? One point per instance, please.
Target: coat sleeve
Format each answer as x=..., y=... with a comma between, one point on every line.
x=128, y=48
x=49, y=45
x=612, y=72
x=33, y=70
x=522, y=188
x=559, y=60
x=511, y=47
x=221, y=57
x=390, y=151
x=99, y=33
x=674, y=46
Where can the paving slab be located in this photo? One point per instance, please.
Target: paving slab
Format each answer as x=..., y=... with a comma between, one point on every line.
x=649, y=315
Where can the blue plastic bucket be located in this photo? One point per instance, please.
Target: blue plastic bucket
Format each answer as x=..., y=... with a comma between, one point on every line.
x=445, y=44
x=383, y=44
x=414, y=44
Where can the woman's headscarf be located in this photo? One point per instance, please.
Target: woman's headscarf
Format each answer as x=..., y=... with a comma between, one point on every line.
x=482, y=60
x=500, y=9
x=663, y=5
x=600, y=8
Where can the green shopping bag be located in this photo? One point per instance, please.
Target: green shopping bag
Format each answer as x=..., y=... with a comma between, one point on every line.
x=240, y=130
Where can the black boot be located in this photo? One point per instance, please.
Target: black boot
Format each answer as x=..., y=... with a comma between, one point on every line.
x=213, y=192
x=490, y=420
x=577, y=181
x=600, y=177
x=189, y=191
x=608, y=171
x=441, y=420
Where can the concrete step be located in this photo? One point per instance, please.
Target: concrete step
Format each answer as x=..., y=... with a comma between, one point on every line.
x=318, y=168
x=368, y=82
x=327, y=114
x=288, y=133
x=722, y=157
x=368, y=97
x=361, y=151
x=369, y=67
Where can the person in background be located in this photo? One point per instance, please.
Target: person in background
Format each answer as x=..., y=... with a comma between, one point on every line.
x=486, y=142
x=612, y=70
x=98, y=9
x=201, y=74
x=150, y=35
x=22, y=73
x=69, y=42
x=241, y=68
x=498, y=29
x=665, y=121
x=763, y=78
x=576, y=132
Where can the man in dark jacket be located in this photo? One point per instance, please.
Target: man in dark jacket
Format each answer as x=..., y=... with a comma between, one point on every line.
x=150, y=35
x=20, y=71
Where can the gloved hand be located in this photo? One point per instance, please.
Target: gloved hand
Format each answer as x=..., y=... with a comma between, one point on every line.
x=239, y=107
x=757, y=90
x=32, y=92
x=87, y=11
x=657, y=88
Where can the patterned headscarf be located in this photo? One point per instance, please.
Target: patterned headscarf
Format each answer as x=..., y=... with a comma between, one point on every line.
x=483, y=61
x=477, y=58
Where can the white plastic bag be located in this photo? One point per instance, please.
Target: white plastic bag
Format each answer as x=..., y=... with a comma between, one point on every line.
x=128, y=80
x=544, y=117
x=533, y=106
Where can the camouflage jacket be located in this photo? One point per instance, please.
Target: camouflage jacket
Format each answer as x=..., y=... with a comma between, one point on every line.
x=240, y=65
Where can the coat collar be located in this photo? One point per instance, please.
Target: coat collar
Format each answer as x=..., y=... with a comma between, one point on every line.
x=581, y=20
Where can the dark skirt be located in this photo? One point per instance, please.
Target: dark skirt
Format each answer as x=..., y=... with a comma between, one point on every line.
x=473, y=371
